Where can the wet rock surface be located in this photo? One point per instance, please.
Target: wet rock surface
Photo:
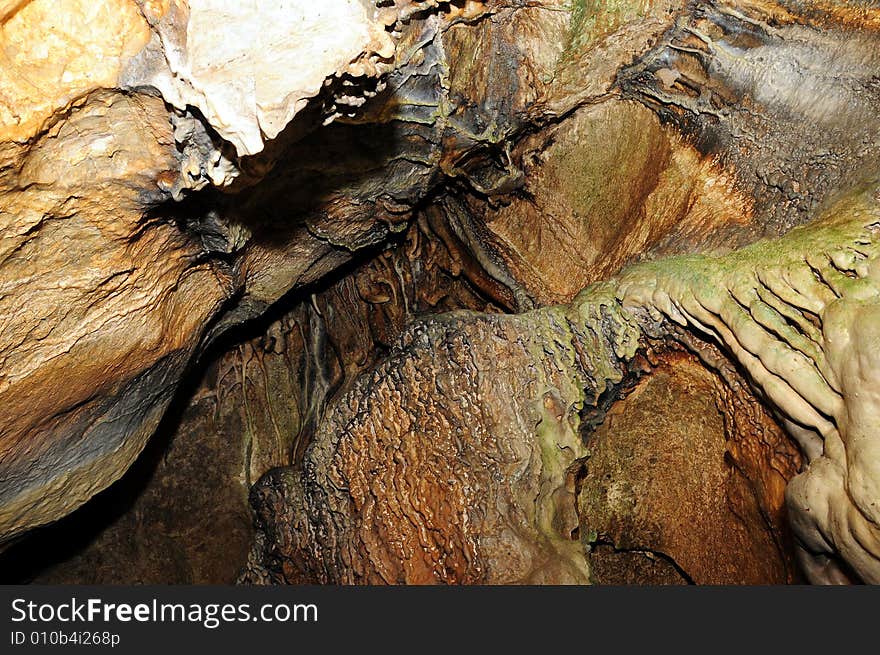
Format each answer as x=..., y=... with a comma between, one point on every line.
x=684, y=484
x=322, y=273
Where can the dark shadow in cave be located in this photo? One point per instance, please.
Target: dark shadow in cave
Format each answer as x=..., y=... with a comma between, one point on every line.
x=273, y=209
x=40, y=550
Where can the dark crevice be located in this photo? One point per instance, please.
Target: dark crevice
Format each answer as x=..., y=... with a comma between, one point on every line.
x=647, y=552
x=41, y=549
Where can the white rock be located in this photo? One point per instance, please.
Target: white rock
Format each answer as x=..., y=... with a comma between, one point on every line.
x=250, y=65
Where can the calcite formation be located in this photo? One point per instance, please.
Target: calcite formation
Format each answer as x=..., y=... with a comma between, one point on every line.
x=106, y=300
x=179, y=51
x=440, y=261
x=706, y=508
x=259, y=403
x=797, y=315
x=250, y=67
x=794, y=313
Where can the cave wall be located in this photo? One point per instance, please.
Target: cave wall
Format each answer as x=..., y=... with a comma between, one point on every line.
x=685, y=483
x=173, y=240
x=254, y=408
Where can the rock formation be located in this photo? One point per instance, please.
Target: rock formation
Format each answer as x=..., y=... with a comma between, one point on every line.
x=463, y=292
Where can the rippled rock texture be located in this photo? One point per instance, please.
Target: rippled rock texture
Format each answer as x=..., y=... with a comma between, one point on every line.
x=410, y=291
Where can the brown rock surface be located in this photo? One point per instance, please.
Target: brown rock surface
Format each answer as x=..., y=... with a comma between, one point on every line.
x=173, y=201
x=685, y=483
x=108, y=293
x=445, y=464
x=102, y=305
x=256, y=408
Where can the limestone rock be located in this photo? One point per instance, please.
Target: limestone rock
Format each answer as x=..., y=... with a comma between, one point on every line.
x=249, y=67
x=685, y=483
x=170, y=190
x=106, y=299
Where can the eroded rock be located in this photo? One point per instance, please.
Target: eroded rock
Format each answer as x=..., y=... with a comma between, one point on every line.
x=102, y=306
x=685, y=483
x=782, y=310
x=552, y=143
x=256, y=408
x=106, y=299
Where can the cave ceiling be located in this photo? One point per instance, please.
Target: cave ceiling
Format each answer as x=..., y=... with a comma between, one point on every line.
x=412, y=291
